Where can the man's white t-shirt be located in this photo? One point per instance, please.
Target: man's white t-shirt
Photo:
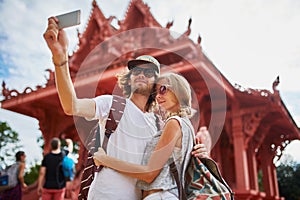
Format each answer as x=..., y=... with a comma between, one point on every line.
x=127, y=143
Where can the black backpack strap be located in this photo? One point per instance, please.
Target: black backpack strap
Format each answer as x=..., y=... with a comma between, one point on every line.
x=93, y=143
x=59, y=170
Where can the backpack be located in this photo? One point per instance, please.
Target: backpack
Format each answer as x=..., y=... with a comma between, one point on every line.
x=202, y=180
x=9, y=177
x=67, y=165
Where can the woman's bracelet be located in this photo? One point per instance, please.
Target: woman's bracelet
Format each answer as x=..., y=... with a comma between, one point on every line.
x=61, y=64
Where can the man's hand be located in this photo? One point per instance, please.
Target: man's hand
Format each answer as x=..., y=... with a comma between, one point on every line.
x=98, y=156
x=57, y=41
x=39, y=191
x=69, y=143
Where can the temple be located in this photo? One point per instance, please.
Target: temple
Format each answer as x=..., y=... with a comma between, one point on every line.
x=249, y=127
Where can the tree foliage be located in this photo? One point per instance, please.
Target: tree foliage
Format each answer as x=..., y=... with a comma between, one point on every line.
x=288, y=175
x=9, y=144
x=32, y=175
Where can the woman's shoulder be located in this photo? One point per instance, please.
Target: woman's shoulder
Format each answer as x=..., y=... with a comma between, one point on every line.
x=174, y=118
x=174, y=121
x=21, y=165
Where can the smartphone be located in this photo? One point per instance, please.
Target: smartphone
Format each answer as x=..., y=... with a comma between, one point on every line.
x=68, y=19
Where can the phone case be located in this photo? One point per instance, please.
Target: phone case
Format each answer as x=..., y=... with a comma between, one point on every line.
x=68, y=19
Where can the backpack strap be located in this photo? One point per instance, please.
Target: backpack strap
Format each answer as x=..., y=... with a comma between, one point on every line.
x=114, y=117
x=60, y=169
x=93, y=142
x=174, y=172
x=173, y=167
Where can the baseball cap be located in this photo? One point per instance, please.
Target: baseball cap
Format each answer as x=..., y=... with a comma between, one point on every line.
x=144, y=59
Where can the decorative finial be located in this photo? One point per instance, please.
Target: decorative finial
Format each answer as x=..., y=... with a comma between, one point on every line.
x=169, y=24
x=199, y=39
x=275, y=84
x=94, y=3
x=188, y=32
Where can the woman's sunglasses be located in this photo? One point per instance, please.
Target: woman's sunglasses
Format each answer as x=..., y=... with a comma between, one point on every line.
x=162, y=90
x=148, y=72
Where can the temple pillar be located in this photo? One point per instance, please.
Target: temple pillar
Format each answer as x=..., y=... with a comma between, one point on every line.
x=267, y=171
x=240, y=155
x=252, y=165
x=275, y=182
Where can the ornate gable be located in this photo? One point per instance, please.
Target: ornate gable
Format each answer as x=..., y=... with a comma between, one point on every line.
x=138, y=15
x=98, y=29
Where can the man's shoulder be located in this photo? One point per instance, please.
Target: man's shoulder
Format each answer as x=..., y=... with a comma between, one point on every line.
x=52, y=155
x=108, y=99
x=105, y=97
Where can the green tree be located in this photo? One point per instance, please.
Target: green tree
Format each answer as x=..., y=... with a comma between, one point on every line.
x=9, y=144
x=32, y=175
x=288, y=175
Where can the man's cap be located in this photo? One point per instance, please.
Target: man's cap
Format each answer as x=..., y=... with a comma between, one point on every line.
x=144, y=59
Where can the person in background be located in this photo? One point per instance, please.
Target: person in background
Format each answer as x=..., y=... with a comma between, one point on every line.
x=51, y=181
x=16, y=192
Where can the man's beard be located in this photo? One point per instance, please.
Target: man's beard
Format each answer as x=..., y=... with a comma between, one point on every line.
x=142, y=90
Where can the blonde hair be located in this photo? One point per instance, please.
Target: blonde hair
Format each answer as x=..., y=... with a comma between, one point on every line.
x=182, y=90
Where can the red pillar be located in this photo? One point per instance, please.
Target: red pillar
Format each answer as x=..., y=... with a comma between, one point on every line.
x=252, y=164
x=241, y=165
x=267, y=172
x=275, y=181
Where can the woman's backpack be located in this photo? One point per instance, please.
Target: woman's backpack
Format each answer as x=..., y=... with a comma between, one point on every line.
x=9, y=177
x=202, y=179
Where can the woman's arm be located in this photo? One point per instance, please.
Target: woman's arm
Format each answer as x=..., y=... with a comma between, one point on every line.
x=21, y=175
x=163, y=150
x=57, y=42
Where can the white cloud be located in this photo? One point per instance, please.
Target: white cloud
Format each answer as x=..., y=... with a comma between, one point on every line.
x=24, y=28
x=293, y=150
x=251, y=42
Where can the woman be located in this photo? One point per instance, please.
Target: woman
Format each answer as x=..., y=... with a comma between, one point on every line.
x=173, y=95
x=16, y=192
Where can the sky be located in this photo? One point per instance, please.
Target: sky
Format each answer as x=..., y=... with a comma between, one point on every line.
x=251, y=42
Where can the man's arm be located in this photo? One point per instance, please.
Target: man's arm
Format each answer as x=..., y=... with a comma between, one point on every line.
x=57, y=42
x=41, y=180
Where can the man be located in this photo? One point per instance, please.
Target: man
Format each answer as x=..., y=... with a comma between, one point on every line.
x=136, y=127
x=51, y=181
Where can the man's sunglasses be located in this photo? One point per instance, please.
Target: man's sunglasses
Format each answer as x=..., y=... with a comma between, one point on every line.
x=148, y=72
